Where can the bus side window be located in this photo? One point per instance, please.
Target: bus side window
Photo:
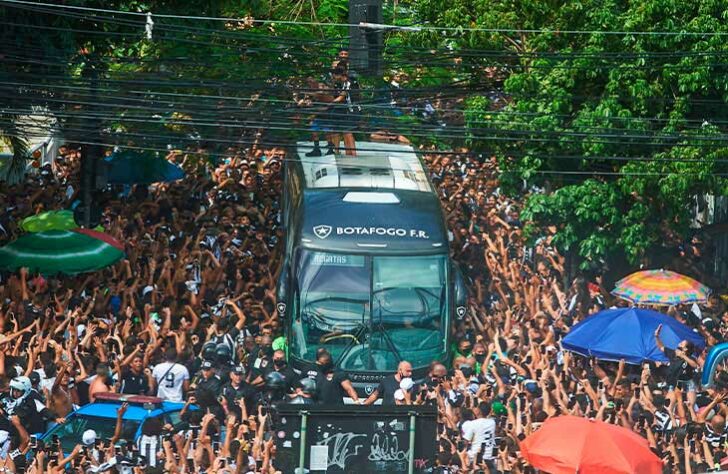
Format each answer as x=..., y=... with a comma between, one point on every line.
x=460, y=292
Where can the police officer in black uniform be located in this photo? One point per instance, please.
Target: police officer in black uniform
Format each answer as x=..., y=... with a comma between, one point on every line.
x=237, y=388
x=207, y=379
x=285, y=377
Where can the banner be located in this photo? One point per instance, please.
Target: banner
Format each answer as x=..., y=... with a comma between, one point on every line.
x=354, y=439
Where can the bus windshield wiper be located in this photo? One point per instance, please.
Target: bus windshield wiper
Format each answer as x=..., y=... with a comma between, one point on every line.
x=361, y=330
x=387, y=338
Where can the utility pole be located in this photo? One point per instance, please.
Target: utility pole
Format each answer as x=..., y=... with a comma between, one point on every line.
x=365, y=44
x=90, y=152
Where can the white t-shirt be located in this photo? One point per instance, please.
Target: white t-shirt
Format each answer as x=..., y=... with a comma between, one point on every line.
x=170, y=376
x=480, y=431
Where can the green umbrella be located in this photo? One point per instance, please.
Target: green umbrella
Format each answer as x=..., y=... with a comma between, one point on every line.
x=51, y=220
x=61, y=251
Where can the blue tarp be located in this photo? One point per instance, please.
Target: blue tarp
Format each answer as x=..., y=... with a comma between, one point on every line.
x=130, y=167
x=629, y=334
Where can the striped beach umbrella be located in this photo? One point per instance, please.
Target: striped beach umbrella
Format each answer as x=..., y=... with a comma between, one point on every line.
x=61, y=251
x=662, y=287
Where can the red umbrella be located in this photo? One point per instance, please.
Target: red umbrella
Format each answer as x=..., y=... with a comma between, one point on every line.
x=570, y=444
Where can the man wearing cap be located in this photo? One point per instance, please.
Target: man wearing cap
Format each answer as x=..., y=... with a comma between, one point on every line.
x=35, y=384
x=207, y=379
x=237, y=388
x=88, y=439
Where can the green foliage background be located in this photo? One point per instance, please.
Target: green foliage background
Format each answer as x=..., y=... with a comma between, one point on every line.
x=620, y=131
x=646, y=113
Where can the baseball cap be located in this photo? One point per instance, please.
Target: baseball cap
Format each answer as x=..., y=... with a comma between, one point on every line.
x=89, y=437
x=238, y=369
x=206, y=364
x=406, y=383
x=399, y=394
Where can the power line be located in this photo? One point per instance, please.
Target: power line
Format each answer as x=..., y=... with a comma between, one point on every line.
x=459, y=52
x=421, y=151
x=123, y=138
x=470, y=129
x=472, y=133
x=415, y=28
x=240, y=84
x=492, y=134
x=462, y=68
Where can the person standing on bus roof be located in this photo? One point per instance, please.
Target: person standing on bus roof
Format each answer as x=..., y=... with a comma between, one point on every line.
x=390, y=384
x=346, y=111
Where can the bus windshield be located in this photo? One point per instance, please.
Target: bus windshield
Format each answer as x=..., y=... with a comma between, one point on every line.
x=370, y=312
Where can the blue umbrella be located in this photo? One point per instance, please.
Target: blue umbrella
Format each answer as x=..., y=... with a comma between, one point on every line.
x=131, y=167
x=629, y=334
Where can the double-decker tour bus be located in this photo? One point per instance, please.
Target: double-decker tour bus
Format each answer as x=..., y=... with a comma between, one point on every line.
x=367, y=273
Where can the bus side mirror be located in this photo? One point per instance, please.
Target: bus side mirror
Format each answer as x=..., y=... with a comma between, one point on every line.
x=282, y=290
x=460, y=293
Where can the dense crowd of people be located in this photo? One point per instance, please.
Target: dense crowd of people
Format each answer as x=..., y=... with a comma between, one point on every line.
x=509, y=373
x=190, y=316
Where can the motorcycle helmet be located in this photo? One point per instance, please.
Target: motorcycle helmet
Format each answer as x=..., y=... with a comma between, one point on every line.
x=22, y=385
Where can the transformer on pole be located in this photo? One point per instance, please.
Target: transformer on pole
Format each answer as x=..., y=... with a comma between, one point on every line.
x=365, y=44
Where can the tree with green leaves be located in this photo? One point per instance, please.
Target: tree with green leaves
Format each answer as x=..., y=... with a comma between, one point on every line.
x=622, y=130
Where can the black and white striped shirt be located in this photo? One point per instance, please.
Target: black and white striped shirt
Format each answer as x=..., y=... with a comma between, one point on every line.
x=716, y=440
x=148, y=448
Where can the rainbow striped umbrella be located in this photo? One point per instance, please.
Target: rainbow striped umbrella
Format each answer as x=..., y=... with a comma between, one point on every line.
x=661, y=287
x=61, y=251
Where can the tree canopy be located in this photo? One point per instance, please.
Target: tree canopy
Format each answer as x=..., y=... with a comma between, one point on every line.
x=622, y=129
x=609, y=116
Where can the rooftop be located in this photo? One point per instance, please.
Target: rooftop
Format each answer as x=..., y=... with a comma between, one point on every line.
x=376, y=166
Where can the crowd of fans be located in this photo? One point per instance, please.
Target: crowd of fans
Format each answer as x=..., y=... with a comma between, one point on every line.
x=509, y=374
x=190, y=316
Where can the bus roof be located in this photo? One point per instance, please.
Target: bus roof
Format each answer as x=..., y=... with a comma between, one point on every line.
x=377, y=166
